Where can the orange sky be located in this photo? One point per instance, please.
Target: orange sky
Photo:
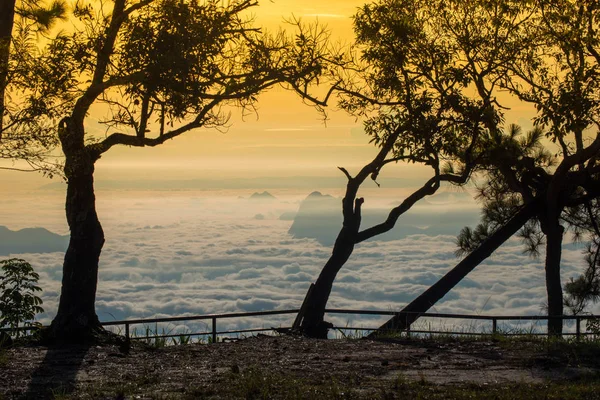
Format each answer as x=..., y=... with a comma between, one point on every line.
x=287, y=137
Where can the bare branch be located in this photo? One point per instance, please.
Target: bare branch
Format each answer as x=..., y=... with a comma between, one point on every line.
x=345, y=171
x=18, y=169
x=312, y=99
x=429, y=188
x=141, y=141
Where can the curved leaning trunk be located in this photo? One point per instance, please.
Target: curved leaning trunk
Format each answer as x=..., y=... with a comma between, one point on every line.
x=554, y=238
x=312, y=323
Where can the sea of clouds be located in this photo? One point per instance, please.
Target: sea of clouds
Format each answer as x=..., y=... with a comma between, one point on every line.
x=172, y=253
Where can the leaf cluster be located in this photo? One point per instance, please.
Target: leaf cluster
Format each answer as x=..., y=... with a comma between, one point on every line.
x=18, y=287
x=22, y=137
x=557, y=69
x=181, y=50
x=428, y=70
x=41, y=16
x=523, y=159
x=164, y=67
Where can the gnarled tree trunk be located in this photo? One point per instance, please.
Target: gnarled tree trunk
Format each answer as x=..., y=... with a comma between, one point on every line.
x=313, y=324
x=76, y=319
x=312, y=321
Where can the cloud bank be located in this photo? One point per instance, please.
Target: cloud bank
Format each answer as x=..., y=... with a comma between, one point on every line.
x=176, y=253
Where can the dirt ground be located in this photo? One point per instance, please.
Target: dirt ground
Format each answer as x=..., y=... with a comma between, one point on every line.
x=245, y=367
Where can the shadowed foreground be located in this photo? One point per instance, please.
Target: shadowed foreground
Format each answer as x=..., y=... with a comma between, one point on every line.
x=289, y=367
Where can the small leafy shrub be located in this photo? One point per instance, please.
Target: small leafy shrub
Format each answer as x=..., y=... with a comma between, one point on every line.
x=593, y=327
x=18, y=301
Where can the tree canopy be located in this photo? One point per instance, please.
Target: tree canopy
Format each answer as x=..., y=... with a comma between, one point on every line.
x=447, y=71
x=553, y=65
x=159, y=69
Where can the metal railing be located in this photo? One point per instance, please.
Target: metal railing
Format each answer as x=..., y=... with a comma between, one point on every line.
x=493, y=318
x=213, y=333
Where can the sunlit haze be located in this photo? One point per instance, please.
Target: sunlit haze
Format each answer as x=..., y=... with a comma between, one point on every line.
x=182, y=235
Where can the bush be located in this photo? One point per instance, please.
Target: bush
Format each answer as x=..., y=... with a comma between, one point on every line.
x=18, y=302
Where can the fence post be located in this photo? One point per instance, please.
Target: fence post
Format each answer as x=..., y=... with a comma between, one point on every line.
x=577, y=327
x=408, y=331
x=214, y=329
x=494, y=326
x=127, y=332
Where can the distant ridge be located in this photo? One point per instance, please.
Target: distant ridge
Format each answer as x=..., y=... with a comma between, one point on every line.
x=320, y=217
x=31, y=240
x=262, y=196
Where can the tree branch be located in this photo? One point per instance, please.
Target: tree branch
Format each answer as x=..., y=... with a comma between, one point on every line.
x=140, y=141
x=429, y=188
x=567, y=163
x=312, y=99
x=345, y=171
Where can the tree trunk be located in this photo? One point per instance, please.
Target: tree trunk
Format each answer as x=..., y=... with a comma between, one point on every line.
x=437, y=291
x=76, y=319
x=7, y=18
x=554, y=237
x=313, y=324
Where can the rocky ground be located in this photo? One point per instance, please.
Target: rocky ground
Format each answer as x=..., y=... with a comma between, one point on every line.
x=293, y=367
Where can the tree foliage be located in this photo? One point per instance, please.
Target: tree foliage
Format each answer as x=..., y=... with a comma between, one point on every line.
x=157, y=69
x=430, y=70
x=22, y=137
x=552, y=64
x=163, y=63
x=18, y=300
x=522, y=157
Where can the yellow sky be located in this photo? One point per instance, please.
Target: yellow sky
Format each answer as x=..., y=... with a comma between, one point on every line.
x=286, y=137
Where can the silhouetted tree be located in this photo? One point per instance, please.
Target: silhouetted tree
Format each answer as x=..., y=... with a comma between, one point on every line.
x=550, y=60
x=161, y=68
x=432, y=96
x=503, y=215
x=557, y=72
x=21, y=138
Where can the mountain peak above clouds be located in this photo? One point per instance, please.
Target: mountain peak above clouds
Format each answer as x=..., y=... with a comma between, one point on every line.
x=31, y=240
x=262, y=196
